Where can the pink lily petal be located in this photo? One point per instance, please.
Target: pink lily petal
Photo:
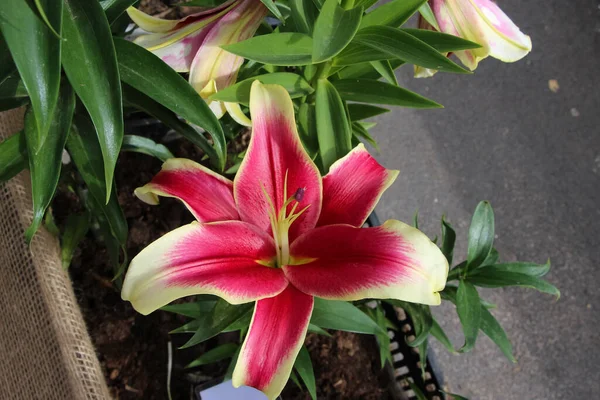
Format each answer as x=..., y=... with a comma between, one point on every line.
x=228, y=259
x=275, y=151
x=353, y=187
x=342, y=262
x=213, y=63
x=177, y=51
x=207, y=195
x=276, y=334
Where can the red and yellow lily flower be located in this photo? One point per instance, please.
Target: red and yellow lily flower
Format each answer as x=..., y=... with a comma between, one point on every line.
x=280, y=234
x=483, y=22
x=193, y=44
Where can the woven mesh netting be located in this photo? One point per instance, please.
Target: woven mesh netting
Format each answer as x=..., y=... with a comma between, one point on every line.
x=45, y=350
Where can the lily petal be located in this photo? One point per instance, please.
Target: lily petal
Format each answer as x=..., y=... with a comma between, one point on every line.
x=276, y=334
x=353, y=187
x=394, y=260
x=211, y=62
x=275, y=151
x=228, y=259
x=159, y=25
x=206, y=194
x=483, y=22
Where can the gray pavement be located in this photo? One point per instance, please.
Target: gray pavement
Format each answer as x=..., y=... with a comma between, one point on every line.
x=535, y=154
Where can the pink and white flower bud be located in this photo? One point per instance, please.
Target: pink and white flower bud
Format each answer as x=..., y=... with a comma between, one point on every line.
x=483, y=22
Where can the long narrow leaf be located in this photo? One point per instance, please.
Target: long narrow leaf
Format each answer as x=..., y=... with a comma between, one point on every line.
x=75, y=229
x=90, y=64
x=492, y=328
x=44, y=151
x=37, y=53
x=13, y=156
x=334, y=29
x=333, y=128
x=375, y=92
x=147, y=146
x=12, y=92
x=84, y=150
x=394, y=13
x=468, y=307
x=304, y=367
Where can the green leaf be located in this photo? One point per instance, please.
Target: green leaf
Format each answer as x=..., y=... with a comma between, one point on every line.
x=394, y=13
x=384, y=69
x=241, y=324
x=232, y=364
x=304, y=14
x=481, y=235
x=468, y=308
x=13, y=156
x=318, y=330
x=438, y=333
x=342, y=316
x=12, y=92
x=36, y=52
x=213, y=323
x=448, y=240
x=363, y=111
x=44, y=151
x=527, y=268
x=493, y=257
x=427, y=14
x=360, y=132
x=442, y=42
x=137, y=99
x=383, y=340
x=334, y=29
x=192, y=310
x=333, y=128
x=270, y=4
x=371, y=91
x=114, y=8
x=76, y=227
x=284, y=49
x=240, y=92
x=147, y=146
x=151, y=76
x=418, y=392
x=304, y=367
x=219, y=353
x=357, y=53
x=84, y=149
x=400, y=44
x=38, y=9
x=421, y=317
x=307, y=128
x=491, y=277
x=492, y=328
x=91, y=66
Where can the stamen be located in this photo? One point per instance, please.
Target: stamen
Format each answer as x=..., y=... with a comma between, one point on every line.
x=281, y=220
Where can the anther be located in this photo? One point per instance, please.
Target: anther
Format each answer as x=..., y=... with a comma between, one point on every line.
x=299, y=195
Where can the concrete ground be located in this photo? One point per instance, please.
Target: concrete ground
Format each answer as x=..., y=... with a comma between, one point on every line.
x=506, y=137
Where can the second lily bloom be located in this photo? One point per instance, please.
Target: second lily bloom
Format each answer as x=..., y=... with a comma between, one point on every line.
x=483, y=22
x=193, y=44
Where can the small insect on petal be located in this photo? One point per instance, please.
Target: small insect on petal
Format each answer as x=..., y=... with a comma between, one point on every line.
x=299, y=195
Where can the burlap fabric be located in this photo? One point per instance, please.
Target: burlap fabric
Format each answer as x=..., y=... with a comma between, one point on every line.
x=45, y=350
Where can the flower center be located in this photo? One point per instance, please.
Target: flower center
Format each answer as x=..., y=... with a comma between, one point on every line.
x=282, y=220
